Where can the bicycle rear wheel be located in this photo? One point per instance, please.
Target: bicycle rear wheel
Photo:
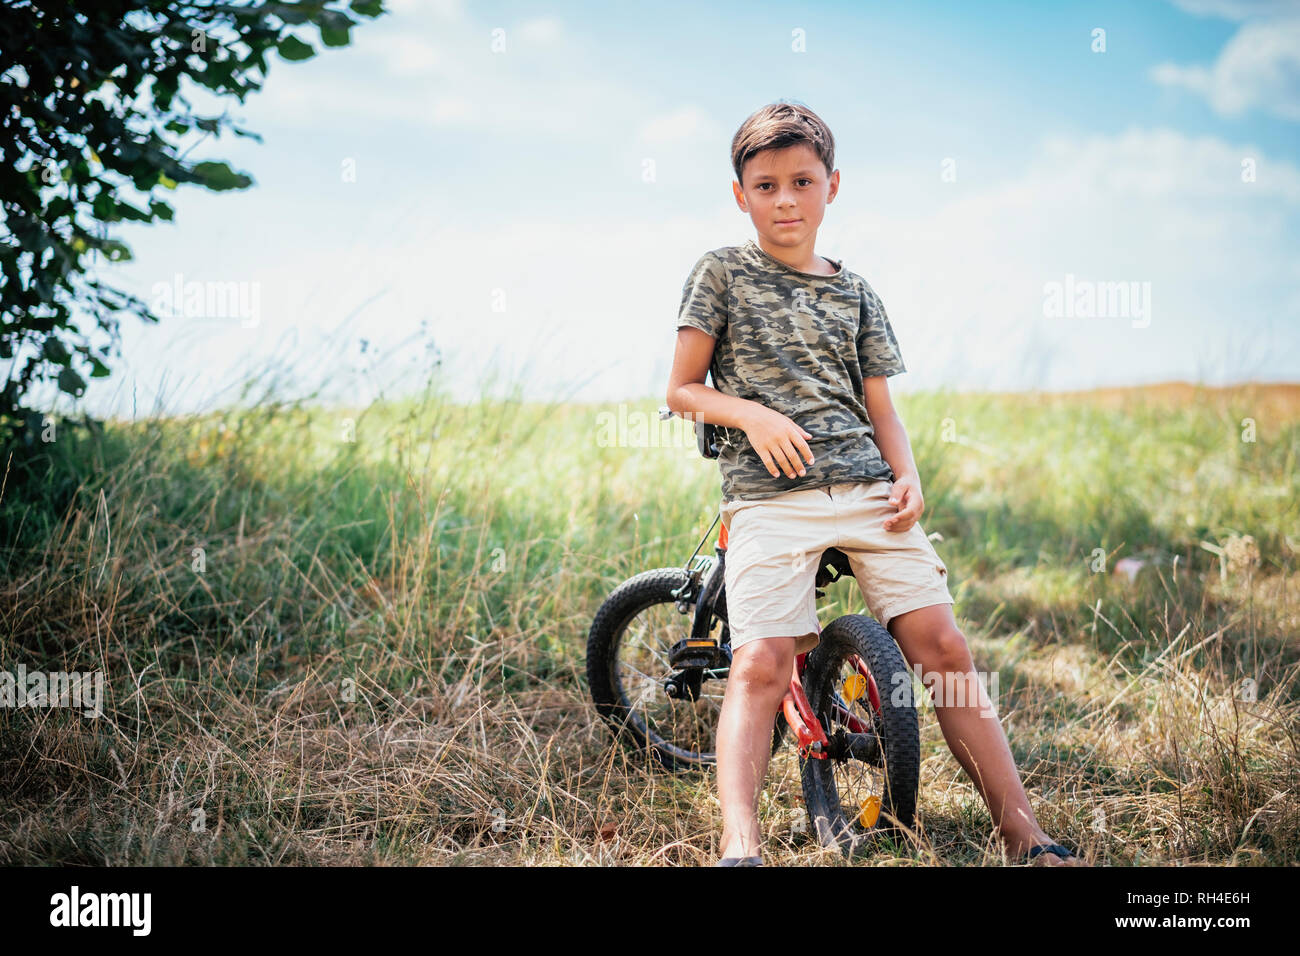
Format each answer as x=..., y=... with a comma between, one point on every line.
x=867, y=784
x=628, y=671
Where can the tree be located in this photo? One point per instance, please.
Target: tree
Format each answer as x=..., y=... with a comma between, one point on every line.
x=95, y=118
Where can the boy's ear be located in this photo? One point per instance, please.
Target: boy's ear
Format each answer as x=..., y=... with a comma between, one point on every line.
x=739, y=193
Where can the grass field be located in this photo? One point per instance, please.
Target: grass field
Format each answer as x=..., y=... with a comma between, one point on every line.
x=357, y=636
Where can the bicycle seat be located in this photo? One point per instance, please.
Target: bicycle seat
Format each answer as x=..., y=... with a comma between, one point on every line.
x=833, y=559
x=706, y=438
x=707, y=434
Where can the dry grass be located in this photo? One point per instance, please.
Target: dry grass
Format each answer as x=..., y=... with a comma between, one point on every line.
x=379, y=659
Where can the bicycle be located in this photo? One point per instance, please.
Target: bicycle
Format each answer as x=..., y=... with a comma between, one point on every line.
x=666, y=701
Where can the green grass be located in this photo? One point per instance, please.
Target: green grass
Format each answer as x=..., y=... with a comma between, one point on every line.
x=372, y=651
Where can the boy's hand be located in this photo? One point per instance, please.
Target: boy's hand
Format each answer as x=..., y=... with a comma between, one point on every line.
x=905, y=495
x=778, y=440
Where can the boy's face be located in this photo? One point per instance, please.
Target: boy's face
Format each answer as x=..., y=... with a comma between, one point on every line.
x=786, y=192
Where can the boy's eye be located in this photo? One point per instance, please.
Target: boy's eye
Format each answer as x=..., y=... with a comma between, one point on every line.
x=801, y=179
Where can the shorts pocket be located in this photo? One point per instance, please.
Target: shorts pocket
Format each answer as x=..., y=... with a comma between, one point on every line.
x=729, y=510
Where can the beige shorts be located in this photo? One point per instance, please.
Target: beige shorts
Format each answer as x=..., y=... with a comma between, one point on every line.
x=774, y=546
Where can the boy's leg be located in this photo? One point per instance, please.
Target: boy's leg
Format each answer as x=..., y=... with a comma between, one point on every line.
x=757, y=682
x=770, y=570
x=931, y=640
x=904, y=581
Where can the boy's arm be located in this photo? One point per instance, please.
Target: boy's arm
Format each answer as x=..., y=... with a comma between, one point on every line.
x=891, y=439
x=777, y=440
x=687, y=393
x=891, y=436
x=701, y=319
x=879, y=357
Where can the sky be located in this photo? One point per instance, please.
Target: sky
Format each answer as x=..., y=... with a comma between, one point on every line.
x=512, y=194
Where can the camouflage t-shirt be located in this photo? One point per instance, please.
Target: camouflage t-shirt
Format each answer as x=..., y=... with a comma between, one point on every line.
x=798, y=343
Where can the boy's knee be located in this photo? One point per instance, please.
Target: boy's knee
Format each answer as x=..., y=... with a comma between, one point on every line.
x=764, y=664
x=948, y=651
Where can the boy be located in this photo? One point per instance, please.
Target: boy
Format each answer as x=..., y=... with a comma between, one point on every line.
x=815, y=457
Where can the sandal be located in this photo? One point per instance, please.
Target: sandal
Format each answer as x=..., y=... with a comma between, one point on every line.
x=1061, y=851
x=740, y=861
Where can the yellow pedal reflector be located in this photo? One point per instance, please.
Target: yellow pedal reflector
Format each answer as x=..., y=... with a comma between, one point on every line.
x=870, y=811
x=855, y=685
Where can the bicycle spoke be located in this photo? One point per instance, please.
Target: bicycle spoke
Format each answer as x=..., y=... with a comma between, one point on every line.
x=642, y=674
x=659, y=655
x=857, y=783
x=643, y=659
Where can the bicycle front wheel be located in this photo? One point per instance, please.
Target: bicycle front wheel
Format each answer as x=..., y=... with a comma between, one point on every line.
x=867, y=783
x=629, y=673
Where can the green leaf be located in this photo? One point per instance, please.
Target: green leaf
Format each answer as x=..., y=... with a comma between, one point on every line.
x=106, y=105
x=55, y=351
x=127, y=211
x=104, y=207
x=335, y=36
x=291, y=48
x=71, y=382
x=219, y=177
x=257, y=137
x=334, y=27
x=290, y=12
x=115, y=251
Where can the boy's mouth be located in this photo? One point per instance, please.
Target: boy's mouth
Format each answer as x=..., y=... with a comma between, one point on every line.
x=787, y=222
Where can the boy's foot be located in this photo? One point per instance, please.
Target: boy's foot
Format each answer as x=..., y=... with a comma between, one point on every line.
x=1038, y=849
x=740, y=861
x=1051, y=854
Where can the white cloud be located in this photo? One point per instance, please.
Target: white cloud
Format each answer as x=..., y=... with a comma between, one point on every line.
x=420, y=70
x=963, y=285
x=451, y=109
x=1163, y=163
x=440, y=9
x=1237, y=9
x=542, y=30
x=1259, y=68
x=683, y=124
x=410, y=55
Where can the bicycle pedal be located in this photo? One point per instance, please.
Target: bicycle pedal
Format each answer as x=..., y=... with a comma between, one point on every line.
x=694, y=652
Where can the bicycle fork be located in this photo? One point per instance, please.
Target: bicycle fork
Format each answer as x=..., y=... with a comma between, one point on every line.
x=859, y=742
x=808, y=731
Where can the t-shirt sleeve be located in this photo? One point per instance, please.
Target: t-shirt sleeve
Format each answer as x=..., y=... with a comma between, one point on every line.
x=878, y=352
x=704, y=297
